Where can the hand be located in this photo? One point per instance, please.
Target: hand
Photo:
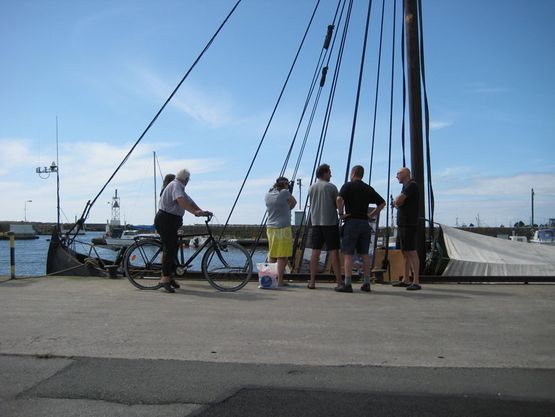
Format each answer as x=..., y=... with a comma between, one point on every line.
x=202, y=213
x=343, y=216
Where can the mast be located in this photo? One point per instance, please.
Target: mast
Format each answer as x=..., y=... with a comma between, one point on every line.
x=415, y=117
x=154, y=175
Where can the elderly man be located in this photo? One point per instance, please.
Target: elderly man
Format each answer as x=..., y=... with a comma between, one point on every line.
x=352, y=203
x=407, y=221
x=173, y=203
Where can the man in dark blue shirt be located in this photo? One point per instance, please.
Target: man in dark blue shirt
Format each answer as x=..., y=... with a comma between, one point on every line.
x=407, y=222
x=352, y=204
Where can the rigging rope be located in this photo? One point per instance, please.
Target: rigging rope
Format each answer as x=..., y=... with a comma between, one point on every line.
x=331, y=97
x=271, y=119
x=427, y=124
x=363, y=55
x=324, y=52
x=390, y=133
x=376, y=96
x=298, y=239
x=89, y=204
x=404, y=82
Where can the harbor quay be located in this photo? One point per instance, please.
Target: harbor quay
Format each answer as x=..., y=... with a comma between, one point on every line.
x=251, y=231
x=99, y=347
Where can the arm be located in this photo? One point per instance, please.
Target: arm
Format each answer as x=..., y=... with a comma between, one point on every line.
x=399, y=200
x=190, y=206
x=374, y=213
x=340, y=204
x=292, y=202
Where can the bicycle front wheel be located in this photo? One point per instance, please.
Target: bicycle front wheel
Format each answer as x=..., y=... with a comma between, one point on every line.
x=227, y=266
x=143, y=264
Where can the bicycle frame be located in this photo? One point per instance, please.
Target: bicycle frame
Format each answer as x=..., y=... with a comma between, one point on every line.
x=209, y=241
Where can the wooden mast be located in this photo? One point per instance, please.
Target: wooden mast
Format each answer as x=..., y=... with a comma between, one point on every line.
x=415, y=117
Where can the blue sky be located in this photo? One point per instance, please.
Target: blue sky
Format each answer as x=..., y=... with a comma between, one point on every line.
x=105, y=67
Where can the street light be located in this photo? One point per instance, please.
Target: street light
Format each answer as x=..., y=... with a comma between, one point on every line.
x=25, y=209
x=300, y=184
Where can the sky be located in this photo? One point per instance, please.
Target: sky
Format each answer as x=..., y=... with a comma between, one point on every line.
x=104, y=68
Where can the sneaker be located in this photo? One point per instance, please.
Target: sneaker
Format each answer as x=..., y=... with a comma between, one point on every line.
x=365, y=287
x=344, y=288
x=414, y=287
x=400, y=284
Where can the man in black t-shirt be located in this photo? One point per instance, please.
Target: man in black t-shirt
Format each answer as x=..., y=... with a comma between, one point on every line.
x=352, y=204
x=407, y=222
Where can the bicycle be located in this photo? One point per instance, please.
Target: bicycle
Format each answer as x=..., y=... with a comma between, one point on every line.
x=226, y=265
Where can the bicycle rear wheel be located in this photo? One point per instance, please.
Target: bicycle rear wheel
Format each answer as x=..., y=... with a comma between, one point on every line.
x=227, y=266
x=143, y=264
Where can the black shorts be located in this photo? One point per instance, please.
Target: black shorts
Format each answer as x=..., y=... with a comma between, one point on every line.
x=407, y=237
x=325, y=234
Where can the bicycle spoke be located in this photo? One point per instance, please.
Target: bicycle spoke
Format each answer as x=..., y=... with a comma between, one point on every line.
x=227, y=266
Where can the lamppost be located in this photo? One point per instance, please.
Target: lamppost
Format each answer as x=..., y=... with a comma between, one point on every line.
x=25, y=209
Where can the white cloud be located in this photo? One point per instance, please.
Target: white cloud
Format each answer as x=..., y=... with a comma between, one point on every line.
x=496, y=199
x=437, y=125
x=213, y=110
x=483, y=88
x=14, y=153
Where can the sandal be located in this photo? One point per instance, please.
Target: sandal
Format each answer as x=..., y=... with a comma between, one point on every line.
x=311, y=287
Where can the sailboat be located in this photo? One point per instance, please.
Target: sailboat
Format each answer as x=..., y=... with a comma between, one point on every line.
x=441, y=249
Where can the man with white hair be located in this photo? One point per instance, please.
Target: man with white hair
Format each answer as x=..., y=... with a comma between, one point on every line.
x=173, y=204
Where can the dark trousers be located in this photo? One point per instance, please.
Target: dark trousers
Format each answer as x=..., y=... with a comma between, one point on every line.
x=167, y=225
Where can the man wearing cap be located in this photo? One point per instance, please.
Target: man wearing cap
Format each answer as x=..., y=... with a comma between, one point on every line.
x=352, y=203
x=173, y=204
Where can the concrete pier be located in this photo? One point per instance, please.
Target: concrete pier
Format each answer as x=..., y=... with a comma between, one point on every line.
x=92, y=346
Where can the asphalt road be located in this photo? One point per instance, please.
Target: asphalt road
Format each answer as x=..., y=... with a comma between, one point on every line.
x=99, y=347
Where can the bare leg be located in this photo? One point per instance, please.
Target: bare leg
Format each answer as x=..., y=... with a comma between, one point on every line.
x=348, y=261
x=281, y=263
x=407, y=264
x=336, y=265
x=314, y=258
x=414, y=265
x=366, y=264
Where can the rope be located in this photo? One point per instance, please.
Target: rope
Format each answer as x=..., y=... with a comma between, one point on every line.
x=323, y=53
x=404, y=83
x=427, y=123
x=363, y=55
x=376, y=96
x=270, y=120
x=390, y=134
x=329, y=107
x=331, y=98
x=89, y=204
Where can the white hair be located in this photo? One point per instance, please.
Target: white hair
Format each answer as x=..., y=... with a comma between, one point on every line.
x=183, y=175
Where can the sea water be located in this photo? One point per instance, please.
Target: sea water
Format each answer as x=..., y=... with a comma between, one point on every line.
x=30, y=255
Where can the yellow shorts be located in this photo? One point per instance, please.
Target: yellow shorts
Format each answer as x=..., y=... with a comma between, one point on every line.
x=280, y=242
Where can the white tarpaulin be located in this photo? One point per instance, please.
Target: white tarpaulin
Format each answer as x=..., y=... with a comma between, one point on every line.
x=471, y=254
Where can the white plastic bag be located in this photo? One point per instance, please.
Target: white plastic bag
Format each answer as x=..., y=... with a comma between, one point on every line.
x=267, y=275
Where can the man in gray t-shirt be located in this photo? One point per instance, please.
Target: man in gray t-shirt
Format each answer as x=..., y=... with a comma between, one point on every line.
x=325, y=223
